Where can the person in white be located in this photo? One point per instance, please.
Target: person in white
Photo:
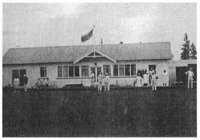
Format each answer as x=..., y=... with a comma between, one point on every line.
x=165, y=78
x=107, y=82
x=145, y=79
x=92, y=79
x=154, y=81
x=150, y=75
x=190, y=75
x=16, y=83
x=138, y=81
x=100, y=81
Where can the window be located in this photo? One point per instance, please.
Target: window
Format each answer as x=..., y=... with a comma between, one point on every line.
x=152, y=67
x=65, y=71
x=85, y=71
x=71, y=71
x=106, y=69
x=115, y=70
x=43, y=72
x=121, y=70
x=133, y=69
x=59, y=71
x=76, y=71
x=127, y=70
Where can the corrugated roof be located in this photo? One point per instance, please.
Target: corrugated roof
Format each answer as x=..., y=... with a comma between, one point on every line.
x=139, y=51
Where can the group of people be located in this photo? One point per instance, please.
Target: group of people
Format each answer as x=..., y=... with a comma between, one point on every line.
x=24, y=81
x=146, y=79
x=143, y=79
x=100, y=80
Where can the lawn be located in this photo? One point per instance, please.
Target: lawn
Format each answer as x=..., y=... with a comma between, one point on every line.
x=124, y=112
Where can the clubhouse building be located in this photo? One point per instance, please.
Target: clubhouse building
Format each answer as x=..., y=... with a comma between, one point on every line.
x=64, y=65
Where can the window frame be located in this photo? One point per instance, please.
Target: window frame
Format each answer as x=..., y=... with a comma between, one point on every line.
x=86, y=67
x=117, y=68
x=105, y=68
x=43, y=69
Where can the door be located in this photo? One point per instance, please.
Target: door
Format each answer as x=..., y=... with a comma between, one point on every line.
x=15, y=74
x=18, y=74
x=22, y=72
x=96, y=71
x=180, y=74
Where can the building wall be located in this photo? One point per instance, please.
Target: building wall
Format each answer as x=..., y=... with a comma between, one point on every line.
x=177, y=63
x=33, y=72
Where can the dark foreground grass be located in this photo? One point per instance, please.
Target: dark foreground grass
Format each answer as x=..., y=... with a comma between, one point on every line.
x=137, y=112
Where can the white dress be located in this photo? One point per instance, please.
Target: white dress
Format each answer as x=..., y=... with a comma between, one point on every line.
x=165, y=78
x=138, y=81
x=145, y=79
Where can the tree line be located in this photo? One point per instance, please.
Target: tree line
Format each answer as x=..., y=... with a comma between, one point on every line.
x=188, y=51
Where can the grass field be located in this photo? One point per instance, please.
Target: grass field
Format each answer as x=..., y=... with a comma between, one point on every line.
x=136, y=112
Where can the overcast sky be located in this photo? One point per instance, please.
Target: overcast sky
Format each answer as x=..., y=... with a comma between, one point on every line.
x=40, y=25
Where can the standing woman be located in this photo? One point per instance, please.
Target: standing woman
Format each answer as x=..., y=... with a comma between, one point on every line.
x=92, y=79
x=165, y=78
x=138, y=80
x=16, y=84
x=100, y=81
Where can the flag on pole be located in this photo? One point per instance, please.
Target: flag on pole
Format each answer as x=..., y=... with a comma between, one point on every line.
x=87, y=36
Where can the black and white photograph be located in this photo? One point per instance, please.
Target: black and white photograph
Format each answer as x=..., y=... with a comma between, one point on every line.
x=84, y=69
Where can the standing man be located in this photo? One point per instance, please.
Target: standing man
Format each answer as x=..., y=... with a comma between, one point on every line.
x=154, y=81
x=190, y=75
x=150, y=75
x=100, y=81
x=25, y=79
x=107, y=82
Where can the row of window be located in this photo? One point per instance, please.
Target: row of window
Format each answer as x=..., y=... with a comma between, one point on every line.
x=118, y=70
x=124, y=70
x=72, y=71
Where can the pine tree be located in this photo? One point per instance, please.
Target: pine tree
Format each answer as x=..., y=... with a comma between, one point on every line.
x=186, y=48
x=193, y=52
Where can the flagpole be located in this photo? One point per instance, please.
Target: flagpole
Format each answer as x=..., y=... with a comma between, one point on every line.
x=94, y=40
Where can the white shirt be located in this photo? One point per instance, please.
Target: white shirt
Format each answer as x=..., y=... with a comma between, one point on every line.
x=100, y=78
x=190, y=73
x=145, y=77
x=154, y=77
x=107, y=79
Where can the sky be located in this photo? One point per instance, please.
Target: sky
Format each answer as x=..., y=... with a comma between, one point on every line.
x=63, y=24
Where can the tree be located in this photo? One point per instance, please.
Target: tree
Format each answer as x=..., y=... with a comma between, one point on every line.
x=186, y=48
x=193, y=52
x=189, y=52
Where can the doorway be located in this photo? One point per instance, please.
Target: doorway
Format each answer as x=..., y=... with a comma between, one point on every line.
x=96, y=70
x=18, y=74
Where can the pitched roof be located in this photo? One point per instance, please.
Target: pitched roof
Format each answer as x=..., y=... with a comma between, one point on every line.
x=139, y=51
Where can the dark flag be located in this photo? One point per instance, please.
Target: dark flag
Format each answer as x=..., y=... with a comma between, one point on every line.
x=86, y=36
